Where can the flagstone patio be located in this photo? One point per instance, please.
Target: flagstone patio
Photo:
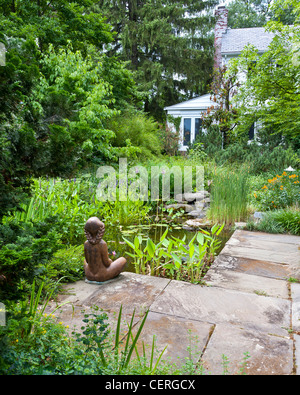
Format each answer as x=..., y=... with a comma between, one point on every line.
x=247, y=306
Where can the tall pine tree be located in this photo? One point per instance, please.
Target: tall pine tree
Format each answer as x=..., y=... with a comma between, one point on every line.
x=169, y=45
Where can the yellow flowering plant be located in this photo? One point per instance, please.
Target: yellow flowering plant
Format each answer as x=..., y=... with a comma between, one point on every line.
x=279, y=192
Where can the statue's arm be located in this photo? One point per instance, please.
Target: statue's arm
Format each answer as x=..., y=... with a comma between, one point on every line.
x=85, y=252
x=104, y=253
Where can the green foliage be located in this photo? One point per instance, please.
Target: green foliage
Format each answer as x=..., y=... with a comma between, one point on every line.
x=25, y=249
x=256, y=13
x=211, y=142
x=162, y=39
x=223, y=113
x=34, y=343
x=197, y=152
x=72, y=102
x=259, y=158
x=285, y=11
x=270, y=91
x=126, y=93
x=66, y=264
x=248, y=13
x=229, y=196
x=56, y=22
x=172, y=257
x=141, y=131
x=69, y=203
x=281, y=191
x=288, y=219
x=170, y=138
x=58, y=95
x=44, y=351
x=279, y=221
x=270, y=153
x=17, y=78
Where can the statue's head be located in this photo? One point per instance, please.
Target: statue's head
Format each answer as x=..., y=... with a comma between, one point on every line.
x=94, y=230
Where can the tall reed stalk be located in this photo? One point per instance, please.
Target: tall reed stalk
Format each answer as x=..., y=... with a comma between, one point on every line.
x=229, y=196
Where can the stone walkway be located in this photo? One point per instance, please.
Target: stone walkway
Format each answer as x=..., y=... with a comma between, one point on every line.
x=248, y=306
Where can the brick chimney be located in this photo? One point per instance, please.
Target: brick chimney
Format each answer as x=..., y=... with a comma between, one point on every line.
x=221, y=14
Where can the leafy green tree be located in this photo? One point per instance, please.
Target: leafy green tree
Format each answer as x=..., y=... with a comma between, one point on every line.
x=256, y=13
x=224, y=87
x=55, y=22
x=70, y=105
x=168, y=43
x=55, y=102
x=248, y=13
x=270, y=93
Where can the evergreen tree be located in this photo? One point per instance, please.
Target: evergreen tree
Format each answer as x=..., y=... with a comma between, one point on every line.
x=169, y=45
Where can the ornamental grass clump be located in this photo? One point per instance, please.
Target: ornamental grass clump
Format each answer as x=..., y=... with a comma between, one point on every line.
x=229, y=196
x=281, y=191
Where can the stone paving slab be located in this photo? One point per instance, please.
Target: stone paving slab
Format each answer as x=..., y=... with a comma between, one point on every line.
x=133, y=291
x=295, y=294
x=185, y=338
x=268, y=354
x=230, y=279
x=128, y=289
x=217, y=305
x=257, y=243
x=278, y=238
x=251, y=266
x=274, y=256
x=283, y=249
x=297, y=354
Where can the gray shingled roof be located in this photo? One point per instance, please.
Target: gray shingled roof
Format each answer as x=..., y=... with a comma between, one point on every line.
x=234, y=40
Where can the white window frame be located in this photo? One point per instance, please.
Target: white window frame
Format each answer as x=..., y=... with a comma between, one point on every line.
x=193, y=124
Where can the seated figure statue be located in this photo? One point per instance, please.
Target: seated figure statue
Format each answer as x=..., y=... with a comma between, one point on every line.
x=97, y=265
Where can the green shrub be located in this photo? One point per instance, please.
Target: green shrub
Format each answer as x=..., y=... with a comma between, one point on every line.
x=67, y=263
x=24, y=250
x=263, y=158
x=279, y=191
x=260, y=158
x=211, y=141
x=140, y=130
x=170, y=138
x=289, y=220
x=34, y=343
x=279, y=221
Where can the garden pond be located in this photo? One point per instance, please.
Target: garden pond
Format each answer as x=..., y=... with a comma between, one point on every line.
x=153, y=242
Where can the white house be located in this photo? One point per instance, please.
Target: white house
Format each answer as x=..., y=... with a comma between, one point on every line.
x=190, y=112
x=229, y=43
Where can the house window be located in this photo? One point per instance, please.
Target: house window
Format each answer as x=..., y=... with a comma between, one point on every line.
x=198, y=127
x=251, y=132
x=187, y=126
